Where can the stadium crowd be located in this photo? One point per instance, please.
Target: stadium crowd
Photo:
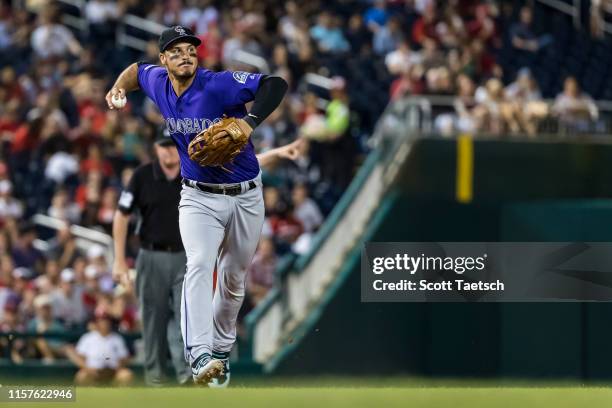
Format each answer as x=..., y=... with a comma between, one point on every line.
x=64, y=154
x=453, y=50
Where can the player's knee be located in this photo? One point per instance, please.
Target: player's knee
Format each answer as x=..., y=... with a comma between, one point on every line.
x=84, y=377
x=234, y=287
x=236, y=293
x=124, y=376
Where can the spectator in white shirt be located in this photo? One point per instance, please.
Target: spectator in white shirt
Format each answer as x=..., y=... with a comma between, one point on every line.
x=51, y=39
x=525, y=96
x=307, y=212
x=102, y=16
x=67, y=300
x=102, y=356
x=524, y=88
x=101, y=11
x=305, y=209
x=402, y=59
x=63, y=209
x=10, y=207
x=573, y=107
x=60, y=166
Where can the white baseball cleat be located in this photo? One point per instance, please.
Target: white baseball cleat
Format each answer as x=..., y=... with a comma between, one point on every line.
x=205, y=369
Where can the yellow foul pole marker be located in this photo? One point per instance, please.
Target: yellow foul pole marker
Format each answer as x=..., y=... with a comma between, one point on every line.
x=465, y=169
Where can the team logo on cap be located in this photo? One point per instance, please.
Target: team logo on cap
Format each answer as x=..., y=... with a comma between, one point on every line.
x=240, y=76
x=180, y=30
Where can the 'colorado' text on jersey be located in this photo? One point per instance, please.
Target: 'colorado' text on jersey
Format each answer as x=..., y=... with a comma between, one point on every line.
x=208, y=98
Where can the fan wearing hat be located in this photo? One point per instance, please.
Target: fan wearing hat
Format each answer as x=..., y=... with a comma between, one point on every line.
x=67, y=300
x=221, y=209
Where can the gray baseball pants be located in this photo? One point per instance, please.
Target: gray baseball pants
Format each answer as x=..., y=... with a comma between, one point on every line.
x=159, y=282
x=223, y=230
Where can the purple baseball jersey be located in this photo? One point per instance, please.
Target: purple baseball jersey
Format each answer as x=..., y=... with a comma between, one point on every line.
x=210, y=96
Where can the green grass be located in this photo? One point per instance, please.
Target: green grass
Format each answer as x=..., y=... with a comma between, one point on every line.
x=379, y=396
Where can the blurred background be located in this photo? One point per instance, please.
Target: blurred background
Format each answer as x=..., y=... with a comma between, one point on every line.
x=453, y=120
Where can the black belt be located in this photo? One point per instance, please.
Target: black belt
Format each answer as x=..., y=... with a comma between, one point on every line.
x=161, y=247
x=228, y=190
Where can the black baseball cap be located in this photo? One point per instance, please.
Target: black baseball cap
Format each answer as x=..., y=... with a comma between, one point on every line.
x=163, y=138
x=177, y=33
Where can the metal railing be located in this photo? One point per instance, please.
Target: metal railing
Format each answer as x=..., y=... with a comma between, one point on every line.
x=75, y=21
x=129, y=23
x=572, y=8
x=85, y=237
x=600, y=12
x=425, y=114
x=569, y=7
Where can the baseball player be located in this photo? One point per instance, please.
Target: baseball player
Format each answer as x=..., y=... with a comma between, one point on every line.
x=221, y=210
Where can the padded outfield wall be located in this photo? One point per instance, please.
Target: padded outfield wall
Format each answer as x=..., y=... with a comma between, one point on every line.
x=482, y=190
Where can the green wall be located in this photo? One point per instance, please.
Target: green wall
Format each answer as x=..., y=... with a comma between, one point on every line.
x=522, y=192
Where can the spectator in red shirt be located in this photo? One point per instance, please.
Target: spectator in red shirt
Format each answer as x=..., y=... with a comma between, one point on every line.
x=425, y=26
x=484, y=61
x=89, y=190
x=482, y=26
x=27, y=137
x=286, y=228
x=88, y=196
x=411, y=82
x=96, y=162
x=9, y=119
x=211, y=49
x=10, y=85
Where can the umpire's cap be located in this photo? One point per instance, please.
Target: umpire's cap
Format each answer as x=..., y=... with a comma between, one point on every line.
x=177, y=33
x=163, y=138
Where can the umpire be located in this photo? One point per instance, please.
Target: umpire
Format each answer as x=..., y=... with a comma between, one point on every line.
x=154, y=191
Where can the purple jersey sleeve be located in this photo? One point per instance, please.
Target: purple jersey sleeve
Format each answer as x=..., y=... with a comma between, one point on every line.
x=235, y=88
x=150, y=79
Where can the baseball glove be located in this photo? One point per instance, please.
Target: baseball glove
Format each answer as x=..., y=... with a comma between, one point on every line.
x=220, y=143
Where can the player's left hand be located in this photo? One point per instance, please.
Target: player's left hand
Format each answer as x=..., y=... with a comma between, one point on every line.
x=245, y=127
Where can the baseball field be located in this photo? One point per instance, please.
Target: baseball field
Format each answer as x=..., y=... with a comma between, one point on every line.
x=334, y=392
x=341, y=397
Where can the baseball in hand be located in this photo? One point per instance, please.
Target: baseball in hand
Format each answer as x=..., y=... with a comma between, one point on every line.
x=118, y=101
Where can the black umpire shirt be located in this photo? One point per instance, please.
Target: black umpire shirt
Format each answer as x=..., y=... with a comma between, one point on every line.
x=157, y=199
